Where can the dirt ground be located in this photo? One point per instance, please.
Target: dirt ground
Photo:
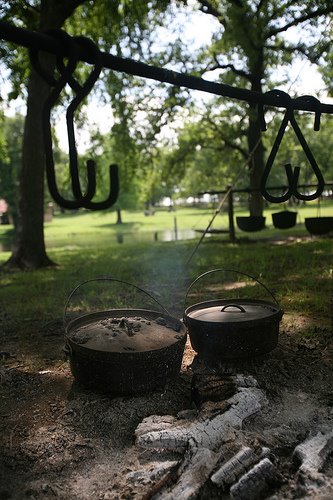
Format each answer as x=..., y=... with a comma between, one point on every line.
x=61, y=441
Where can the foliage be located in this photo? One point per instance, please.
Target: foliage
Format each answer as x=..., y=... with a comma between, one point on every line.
x=12, y=130
x=249, y=43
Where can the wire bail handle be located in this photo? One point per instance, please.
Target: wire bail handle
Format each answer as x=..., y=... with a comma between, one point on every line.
x=292, y=174
x=227, y=271
x=108, y=278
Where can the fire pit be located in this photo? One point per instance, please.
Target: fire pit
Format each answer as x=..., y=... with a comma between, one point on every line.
x=124, y=351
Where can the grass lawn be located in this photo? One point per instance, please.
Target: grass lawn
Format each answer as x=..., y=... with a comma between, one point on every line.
x=85, y=246
x=89, y=229
x=299, y=271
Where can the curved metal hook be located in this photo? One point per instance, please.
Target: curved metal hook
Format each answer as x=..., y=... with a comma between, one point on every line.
x=271, y=158
x=82, y=91
x=58, y=86
x=113, y=193
x=292, y=176
x=308, y=152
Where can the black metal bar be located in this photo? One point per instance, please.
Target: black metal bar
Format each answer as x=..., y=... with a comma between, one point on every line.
x=40, y=41
x=249, y=190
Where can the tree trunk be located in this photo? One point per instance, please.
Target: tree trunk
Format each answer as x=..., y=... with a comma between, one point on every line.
x=29, y=247
x=119, y=220
x=256, y=203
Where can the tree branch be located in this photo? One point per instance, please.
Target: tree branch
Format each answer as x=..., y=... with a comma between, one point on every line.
x=312, y=53
x=237, y=3
x=238, y=72
x=227, y=141
x=207, y=8
x=301, y=19
x=260, y=5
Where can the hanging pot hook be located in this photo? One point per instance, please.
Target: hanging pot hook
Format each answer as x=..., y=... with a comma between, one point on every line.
x=292, y=175
x=81, y=93
x=308, y=152
x=275, y=148
x=57, y=87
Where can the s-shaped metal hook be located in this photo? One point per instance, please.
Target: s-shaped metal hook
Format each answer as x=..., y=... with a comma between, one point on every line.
x=292, y=175
x=57, y=85
x=81, y=92
x=66, y=76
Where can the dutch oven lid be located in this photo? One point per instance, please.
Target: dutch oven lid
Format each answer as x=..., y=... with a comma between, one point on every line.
x=124, y=331
x=235, y=311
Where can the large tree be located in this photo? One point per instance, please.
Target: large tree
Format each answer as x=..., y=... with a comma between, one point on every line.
x=112, y=21
x=29, y=248
x=251, y=41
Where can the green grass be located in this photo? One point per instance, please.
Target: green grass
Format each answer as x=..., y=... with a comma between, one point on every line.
x=299, y=272
x=99, y=228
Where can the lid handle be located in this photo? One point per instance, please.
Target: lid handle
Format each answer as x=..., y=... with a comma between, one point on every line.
x=240, y=308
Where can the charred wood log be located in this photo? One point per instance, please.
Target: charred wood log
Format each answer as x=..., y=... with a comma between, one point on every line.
x=217, y=387
x=313, y=452
x=195, y=470
x=255, y=482
x=233, y=468
x=238, y=465
x=211, y=388
x=207, y=433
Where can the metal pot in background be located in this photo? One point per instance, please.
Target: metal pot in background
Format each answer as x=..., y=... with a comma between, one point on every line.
x=284, y=219
x=251, y=223
x=124, y=351
x=233, y=328
x=319, y=225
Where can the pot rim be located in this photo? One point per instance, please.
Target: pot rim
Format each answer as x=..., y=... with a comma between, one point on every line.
x=84, y=320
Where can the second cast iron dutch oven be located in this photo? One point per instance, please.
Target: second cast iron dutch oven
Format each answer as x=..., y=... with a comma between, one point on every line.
x=233, y=328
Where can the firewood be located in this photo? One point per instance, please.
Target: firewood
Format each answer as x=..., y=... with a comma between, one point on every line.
x=195, y=470
x=238, y=465
x=254, y=483
x=206, y=433
x=209, y=387
x=155, y=422
x=313, y=452
x=233, y=468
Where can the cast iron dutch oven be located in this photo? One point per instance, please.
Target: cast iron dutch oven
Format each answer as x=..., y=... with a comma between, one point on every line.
x=124, y=351
x=233, y=328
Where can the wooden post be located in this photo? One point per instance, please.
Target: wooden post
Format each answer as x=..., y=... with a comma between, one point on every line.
x=119, y=221
x=175, y=227
x=231, y=215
